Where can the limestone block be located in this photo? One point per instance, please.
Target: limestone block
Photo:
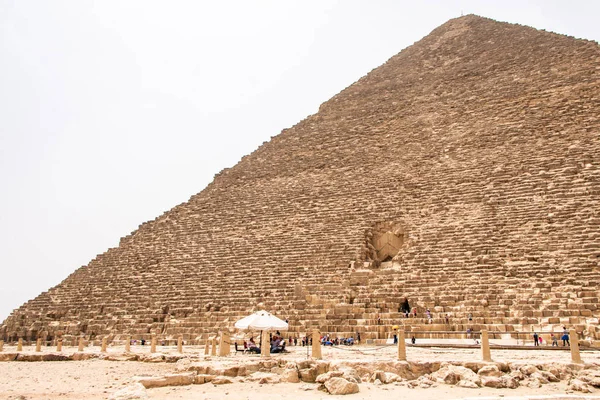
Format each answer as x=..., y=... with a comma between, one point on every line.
x=579, y=386
x=166, y=380
x=341, y=386
x=290, y=375
x=452, y=374
x=490, y=370
x=8, y=356
x=221, y=380
x=328, y=375
x=135, y=391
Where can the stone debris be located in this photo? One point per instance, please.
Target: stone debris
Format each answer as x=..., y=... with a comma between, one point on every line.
x=166, y=380
x=452, y=374
x=135, y=391
x=338, y=385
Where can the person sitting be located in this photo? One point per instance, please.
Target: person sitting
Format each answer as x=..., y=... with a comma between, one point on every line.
x=278, y=345
x=252, y=347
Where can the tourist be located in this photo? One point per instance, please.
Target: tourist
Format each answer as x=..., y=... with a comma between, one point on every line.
x=535, y=339
x=565, y=338
x=470, y=317
x=252, y=346
x=405, y=307
x=278, y=345
x=429, y=318
x=554, y=340
x=415, y=312
x=357, y=338
x=447, y=320
x=413, y=339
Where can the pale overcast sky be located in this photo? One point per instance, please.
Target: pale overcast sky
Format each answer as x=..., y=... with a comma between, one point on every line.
x=113, y=112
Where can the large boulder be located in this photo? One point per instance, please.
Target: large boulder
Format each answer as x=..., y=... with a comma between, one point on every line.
x=589, y=376
x=452, y=374
x=290, y=375
x=579, y=386
x=340, y=386
x=499, y=382
x=528, y=369
x=490, y=370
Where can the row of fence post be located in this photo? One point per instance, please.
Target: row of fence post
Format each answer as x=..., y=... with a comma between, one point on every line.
x=81, y=345
x=210, y=346
x=485, y=347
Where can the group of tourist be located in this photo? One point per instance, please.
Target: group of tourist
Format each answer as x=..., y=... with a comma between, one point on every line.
x=326, y=340
x=537, y=339
x=277, y=344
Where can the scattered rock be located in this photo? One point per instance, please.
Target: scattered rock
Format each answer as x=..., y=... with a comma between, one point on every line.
x=264, y=377
x=591, y=377
x=183, y=365
x=203, y=378
x=490, y=370
x=341, y=386
x=152, y=358
x=167, y=380
x=528, y=369
x=328, y=375
x=221, y=380
x=539, y=377
x=579, y=386
x=452, y=374
x=534, y=384
x=386, y=377
x=467, y=384
x=135, y=391
x=290, y=375
x=492, y=381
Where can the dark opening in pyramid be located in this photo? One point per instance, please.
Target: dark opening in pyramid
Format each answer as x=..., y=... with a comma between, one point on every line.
x=463, y=174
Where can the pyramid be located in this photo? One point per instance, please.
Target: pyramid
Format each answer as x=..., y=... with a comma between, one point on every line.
x=463, y=174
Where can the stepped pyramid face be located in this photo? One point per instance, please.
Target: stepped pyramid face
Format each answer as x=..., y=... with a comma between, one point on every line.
x=463, y=174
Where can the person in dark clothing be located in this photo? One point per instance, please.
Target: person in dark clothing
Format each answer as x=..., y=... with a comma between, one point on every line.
x=405, y=307
x=535, y=339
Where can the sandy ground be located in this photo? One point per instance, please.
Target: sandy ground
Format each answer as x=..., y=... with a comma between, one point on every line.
x=97, y=379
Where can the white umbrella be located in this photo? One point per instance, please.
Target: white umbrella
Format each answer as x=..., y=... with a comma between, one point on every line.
x=261, y=321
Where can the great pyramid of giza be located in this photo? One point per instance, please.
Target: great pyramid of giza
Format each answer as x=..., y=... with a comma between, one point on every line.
x=463, y=174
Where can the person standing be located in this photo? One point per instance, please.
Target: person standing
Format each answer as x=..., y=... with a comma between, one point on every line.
x=405, y=307
x=565, y=338
x=554, y=340
x=536, y=339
